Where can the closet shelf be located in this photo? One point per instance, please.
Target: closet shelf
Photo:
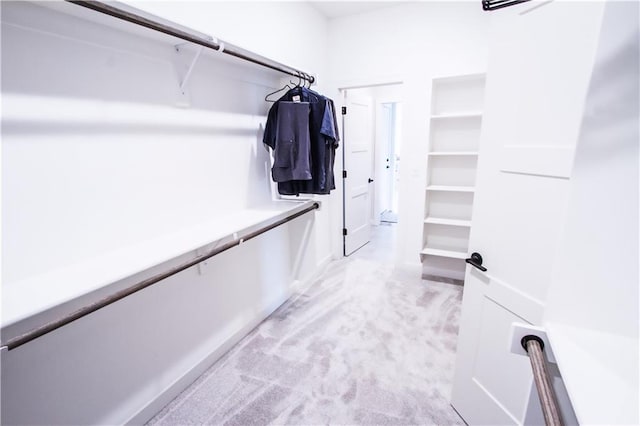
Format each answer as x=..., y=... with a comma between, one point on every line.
x=452, y=222
x=462, y=114
x=444, y=253
x=586, y=357
x=143, y=19
x=453, y=153
x=34, y=301
x=451, y=188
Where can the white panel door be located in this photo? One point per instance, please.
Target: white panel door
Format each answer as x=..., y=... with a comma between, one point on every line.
x=539, y=67
x=357, y=147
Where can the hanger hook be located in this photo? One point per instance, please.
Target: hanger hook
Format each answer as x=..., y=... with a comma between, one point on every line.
x=297, y=74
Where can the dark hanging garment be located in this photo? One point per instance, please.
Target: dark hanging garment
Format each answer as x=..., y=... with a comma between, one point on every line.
x=323, y=137
x=333, y=147
x=292, y=151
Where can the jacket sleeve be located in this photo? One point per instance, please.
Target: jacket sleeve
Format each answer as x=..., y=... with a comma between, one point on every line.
x=328, y=127
x=270, y=130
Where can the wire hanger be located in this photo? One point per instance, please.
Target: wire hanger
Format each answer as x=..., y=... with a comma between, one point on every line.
x=300, y=80
x=266, y=98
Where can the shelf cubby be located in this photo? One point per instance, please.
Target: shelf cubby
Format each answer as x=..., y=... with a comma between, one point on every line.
x=457, y=94
x=452, y=171
x=460, y=134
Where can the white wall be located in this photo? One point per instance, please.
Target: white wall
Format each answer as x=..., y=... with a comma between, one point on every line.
x=264, y=27
x=410, y=43
x=160, y=173
x=100, y=150
x=593, y=301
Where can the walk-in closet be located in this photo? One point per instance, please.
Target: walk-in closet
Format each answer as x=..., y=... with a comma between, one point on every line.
x=319, y=212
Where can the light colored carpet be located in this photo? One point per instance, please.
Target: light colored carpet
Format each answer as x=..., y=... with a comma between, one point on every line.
x=358, y=346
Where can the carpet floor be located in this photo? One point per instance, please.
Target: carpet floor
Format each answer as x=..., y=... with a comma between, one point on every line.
x=360, y=345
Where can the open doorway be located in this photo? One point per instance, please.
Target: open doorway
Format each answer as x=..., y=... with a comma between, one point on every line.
x=372, y=142
x=389, y=135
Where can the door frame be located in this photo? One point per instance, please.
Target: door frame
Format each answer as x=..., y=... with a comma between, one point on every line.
x=338, y=213
x=377, y=149
x=337, y=207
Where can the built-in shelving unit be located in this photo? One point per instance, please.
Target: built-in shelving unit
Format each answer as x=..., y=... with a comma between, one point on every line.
x=452, y=159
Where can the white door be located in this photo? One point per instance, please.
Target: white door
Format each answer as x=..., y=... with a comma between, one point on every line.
x=357, y=146
x=539, y=68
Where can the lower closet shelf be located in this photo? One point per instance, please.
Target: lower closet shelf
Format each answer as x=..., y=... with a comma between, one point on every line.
x=451, y=188
x=30, y=302
x=444, y=253
x=451, y=222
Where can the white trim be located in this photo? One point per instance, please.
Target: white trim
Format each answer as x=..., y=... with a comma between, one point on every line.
x=369, y=82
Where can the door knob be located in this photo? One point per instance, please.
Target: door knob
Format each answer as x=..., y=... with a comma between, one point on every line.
x=476, y=261
x=370, y=180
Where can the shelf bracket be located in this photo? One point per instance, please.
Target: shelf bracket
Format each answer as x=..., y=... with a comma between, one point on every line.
x=187, y=76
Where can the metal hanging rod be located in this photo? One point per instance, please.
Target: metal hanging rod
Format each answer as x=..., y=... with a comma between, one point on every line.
x=499, y=4
x=216, y=45
x=121, y=294
x=534, y=346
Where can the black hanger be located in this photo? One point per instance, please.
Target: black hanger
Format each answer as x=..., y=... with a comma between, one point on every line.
x=286, y=86
x=300, y=80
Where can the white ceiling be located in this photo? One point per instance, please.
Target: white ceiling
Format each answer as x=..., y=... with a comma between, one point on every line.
x=338, y=9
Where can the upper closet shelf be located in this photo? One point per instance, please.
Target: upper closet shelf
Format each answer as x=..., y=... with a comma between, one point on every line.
x=143, y=19
x=464, y=114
